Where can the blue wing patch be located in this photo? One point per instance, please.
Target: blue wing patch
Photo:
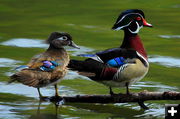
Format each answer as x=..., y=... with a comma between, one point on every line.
x=116, y=62
x=49, y=65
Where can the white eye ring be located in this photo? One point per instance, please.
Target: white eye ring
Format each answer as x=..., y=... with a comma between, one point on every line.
x=63, y=38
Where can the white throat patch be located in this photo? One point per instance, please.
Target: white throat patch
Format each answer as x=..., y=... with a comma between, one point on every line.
x=137, y=30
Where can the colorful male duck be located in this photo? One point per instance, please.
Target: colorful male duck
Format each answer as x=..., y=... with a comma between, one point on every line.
x=47, y=68
x=123, y=66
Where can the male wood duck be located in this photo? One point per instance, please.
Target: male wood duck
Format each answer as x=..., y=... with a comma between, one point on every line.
x=123, y=66
x=49, y=67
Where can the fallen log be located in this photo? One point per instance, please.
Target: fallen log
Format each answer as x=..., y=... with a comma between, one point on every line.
x=120, y=98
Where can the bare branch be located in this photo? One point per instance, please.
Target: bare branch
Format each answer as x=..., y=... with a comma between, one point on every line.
x=121, y=98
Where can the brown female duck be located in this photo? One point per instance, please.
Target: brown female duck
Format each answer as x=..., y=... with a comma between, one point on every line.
x=49, y=67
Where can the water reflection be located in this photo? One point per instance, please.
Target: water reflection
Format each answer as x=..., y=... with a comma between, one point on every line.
x=123, y=110
x=16, y=88
x=40, y=115
x=165, y=60
x=7, y=62
x=155, y=85
x=111, y=111
x=50, y=113
x=169, y=36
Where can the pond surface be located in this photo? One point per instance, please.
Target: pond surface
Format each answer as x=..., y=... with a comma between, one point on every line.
x=24, y=25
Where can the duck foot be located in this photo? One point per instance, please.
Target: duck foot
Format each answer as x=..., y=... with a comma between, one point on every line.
x=142, y=105
x=44, y=98
x=58, y=100
x=111, y=92
x=55, y=98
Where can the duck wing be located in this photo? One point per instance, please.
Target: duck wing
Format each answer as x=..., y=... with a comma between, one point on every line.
x=34, y=76
x=37, y=61
x=108, y=54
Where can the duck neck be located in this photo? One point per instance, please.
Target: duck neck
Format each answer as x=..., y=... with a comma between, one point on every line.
x=133, y=41
x=53, y=48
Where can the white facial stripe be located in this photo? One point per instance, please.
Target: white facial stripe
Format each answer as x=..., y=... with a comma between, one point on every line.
x=61, y=38
x=137, y=30
x=127, y=15
x=118, y=28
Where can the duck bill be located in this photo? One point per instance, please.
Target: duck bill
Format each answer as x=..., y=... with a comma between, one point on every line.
x=146, y=24
x=74, y=45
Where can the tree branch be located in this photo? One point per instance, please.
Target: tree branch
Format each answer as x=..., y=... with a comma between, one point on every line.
x=121, y=98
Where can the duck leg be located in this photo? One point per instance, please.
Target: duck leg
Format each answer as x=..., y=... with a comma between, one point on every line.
x=56, y=89
x=42, y=98
x=142, y=105
x=111, y=91
x=127, y=88
x=40, y=95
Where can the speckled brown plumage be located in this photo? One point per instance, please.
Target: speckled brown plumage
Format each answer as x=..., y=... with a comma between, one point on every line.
x=34, y=76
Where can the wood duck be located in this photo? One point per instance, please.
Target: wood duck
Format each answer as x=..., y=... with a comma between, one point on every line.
x=49, y=67
x=123, y=66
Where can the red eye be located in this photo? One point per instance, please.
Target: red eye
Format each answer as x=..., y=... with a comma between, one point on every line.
x=138, y=18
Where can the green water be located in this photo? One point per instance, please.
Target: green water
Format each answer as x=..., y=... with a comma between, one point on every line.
x=89, y=22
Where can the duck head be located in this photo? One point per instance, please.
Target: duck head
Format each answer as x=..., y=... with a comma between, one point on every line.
x=131, y=20
x=60, y=39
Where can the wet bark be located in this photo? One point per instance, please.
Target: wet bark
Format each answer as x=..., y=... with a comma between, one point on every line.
x=120, y=98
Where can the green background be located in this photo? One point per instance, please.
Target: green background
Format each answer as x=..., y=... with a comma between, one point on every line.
x=89, y=22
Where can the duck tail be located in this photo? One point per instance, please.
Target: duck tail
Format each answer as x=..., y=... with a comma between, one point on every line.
x=13, y=78
x=88, y=65
x=76, y=65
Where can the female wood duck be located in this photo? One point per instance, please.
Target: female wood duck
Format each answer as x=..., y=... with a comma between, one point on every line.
x=123, y=66
x=47, y=68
